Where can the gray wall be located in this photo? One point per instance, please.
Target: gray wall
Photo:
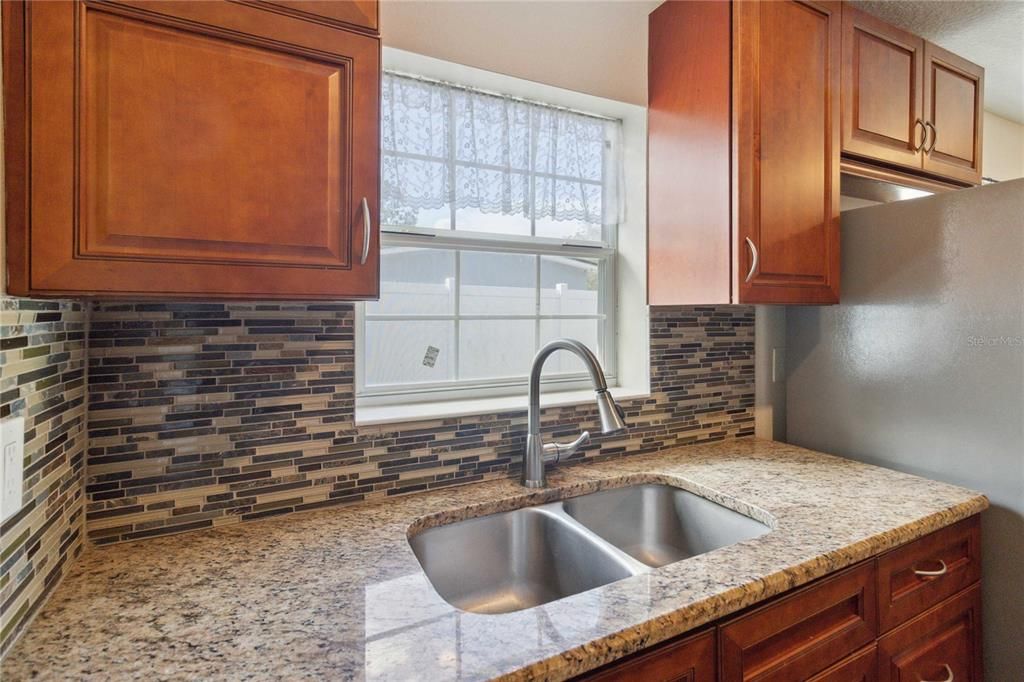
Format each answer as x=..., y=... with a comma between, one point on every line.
x=921, y=369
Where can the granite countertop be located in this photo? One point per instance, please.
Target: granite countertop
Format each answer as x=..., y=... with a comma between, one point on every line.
x=338, y=594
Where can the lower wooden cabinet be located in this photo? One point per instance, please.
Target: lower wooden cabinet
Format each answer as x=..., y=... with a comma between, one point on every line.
x=878, y=621
x=941, y=645
x=801, y=635
x=859, y=667
x=917, y=576
x=689, y=660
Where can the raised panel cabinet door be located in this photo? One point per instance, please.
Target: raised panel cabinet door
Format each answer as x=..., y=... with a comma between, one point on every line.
x=803, y=634
x=359, y=13
x=196, y=149
x=941, y=644
x=882, y=92
x=859, y=667
x=786, y=151
x=689, y=660
x=953, y=99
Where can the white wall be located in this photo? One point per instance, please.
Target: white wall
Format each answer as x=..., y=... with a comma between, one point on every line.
x=1002, y=155
x=595, y=47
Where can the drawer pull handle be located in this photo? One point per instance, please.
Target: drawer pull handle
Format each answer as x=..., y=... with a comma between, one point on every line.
x=948, y=678
x=931, y=574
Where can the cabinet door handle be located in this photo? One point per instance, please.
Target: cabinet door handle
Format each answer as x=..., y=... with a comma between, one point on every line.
x=939, y=571
x=753, y=259
x=948, y=678
x=935, y=135
x=366, y=232
x=924, y=135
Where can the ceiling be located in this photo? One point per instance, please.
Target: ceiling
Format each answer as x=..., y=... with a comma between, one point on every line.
x=989, y=33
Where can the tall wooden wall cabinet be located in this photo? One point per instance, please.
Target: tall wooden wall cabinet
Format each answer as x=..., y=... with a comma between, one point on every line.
x=743, y=152
x=221, y=149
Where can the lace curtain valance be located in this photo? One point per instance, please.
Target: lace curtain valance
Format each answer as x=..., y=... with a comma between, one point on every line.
x=445, y=145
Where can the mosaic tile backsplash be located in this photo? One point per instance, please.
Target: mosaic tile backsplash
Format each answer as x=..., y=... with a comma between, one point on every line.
x=42, y=368
x=203, y=414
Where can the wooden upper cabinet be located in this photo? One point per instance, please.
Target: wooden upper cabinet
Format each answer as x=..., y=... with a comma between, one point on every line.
x=355, y=13
x=908, y=103
x=883, y=94
x=953, y=101
x=743, y=153
x=689, y=131
x=786, y=127
x=190, y=149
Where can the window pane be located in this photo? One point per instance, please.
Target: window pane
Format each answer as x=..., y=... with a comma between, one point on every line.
x=568, y=286
x=415, y=282
x=495, y=348
x=498, y=283
x=414, y=193
x=492, y=201
x=492, y=130
x=568, y=210
x=408, y=351
x=584, y=331
x=569, y=144
x=574, y=230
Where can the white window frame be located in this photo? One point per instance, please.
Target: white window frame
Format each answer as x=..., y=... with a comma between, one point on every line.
x=375, y=405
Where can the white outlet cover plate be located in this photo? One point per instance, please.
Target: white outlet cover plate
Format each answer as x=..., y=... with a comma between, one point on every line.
x=12, y=454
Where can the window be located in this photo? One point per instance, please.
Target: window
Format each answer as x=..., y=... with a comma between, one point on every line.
x=499, y=221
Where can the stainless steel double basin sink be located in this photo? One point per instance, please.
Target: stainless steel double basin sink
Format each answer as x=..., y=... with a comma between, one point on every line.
x=517, y=559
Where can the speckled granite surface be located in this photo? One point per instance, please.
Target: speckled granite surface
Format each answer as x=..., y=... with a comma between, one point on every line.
x=338, y=594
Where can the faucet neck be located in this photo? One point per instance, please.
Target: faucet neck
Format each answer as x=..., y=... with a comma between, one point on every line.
x=533, y=458
x=584, y=353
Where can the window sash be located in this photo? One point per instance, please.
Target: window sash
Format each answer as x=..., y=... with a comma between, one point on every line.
x=454, y=389
x=452, y=238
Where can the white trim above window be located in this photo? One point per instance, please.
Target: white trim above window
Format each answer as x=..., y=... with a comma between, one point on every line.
x=478, y=271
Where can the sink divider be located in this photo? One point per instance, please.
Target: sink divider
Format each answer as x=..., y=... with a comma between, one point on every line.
x=557, y=511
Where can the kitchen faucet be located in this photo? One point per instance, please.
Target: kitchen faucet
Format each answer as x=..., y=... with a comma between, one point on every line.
x=539, y=453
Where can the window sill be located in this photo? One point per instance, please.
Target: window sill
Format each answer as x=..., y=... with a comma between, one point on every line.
x=414, y=412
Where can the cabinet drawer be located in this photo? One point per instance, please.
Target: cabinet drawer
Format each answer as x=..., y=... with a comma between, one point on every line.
x=941, y=644
x=860, y=667
x=688, y=660
x=804, y=634
x=919, y=575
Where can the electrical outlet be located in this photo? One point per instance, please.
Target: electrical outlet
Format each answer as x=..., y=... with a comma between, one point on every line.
x=12, y=449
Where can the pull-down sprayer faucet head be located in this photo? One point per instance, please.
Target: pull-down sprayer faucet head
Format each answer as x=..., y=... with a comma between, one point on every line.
x=611, y=414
